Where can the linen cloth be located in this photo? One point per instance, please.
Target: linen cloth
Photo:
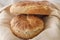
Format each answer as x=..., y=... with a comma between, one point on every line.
x=52, y=31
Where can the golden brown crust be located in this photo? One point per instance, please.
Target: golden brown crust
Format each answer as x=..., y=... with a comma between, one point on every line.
x=31, y=7
x=26, y=26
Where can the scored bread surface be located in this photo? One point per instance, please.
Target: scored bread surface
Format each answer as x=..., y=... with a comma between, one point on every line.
x=26, y=26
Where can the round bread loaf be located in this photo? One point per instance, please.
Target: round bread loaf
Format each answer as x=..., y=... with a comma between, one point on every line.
x=31, y=7
x=27, y=27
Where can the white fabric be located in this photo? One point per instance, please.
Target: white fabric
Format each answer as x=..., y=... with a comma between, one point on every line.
x=52, y=31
